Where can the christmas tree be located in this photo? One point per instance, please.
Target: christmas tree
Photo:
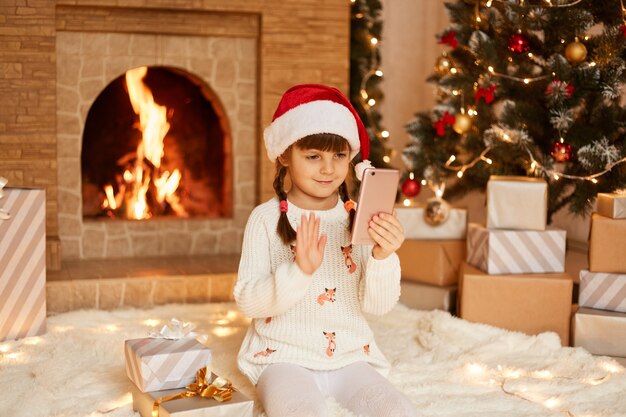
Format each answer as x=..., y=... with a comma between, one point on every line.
x=527, y=87
x=366, y=75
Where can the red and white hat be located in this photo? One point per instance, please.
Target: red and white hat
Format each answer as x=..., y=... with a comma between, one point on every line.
x=308, y=109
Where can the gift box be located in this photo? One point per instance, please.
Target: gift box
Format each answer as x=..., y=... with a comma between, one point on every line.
x=415, y=227
x=519, y=203
x=239, y=405
x=428, y=297
x=607, y=244
x=22, y=263
x=155, y=364
x=516, y=251
x=600, y=332
x=529, y=303
x=612, y=205
x=433, y=262
x=602, y=291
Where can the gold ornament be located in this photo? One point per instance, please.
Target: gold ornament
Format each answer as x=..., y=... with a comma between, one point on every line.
x=443, y=65
x=462, y=123
x=436, y=211
x=575, y=52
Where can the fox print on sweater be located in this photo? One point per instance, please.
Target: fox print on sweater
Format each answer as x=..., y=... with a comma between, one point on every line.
x=316, y=320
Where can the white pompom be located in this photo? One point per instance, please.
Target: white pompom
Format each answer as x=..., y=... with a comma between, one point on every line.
x=359, y=169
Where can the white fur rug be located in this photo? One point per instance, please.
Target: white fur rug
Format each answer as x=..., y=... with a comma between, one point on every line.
x=448, y=367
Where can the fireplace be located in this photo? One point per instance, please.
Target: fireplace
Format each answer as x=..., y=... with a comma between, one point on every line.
x=156, y=143
x=203, y=90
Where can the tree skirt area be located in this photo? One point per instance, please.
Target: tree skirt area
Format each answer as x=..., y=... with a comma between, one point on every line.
x=445, y=365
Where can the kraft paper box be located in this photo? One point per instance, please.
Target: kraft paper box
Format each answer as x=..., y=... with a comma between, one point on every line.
x=435, y=262
x=603, y=291
x=607, y=245
x=612, y=205
x=238, y=406
x=600, y=332
x=516, y=251
x=530, y=303
x=415, y=227
x=155, y=364
x=22, y=263
x=519, y=203
x=428, y=297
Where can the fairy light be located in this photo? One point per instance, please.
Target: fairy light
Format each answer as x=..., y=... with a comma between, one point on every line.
x=406, y=202
x=489, y=3
x=378, y=73
x=374, y=41
x=424, y=182
x=384, y=134
x=548, y=4
x=371, y=101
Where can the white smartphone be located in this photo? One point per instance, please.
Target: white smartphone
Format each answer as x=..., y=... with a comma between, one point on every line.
x=377, y=194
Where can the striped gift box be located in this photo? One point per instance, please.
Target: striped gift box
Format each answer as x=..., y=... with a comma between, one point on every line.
x=603, y=291
x=155, y=364
x=516, y=251
x=23, y=264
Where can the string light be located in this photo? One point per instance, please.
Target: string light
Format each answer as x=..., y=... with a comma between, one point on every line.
x=548, y=4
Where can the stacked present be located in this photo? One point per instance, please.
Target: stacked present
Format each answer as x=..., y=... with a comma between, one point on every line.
x=431, y=256
x=514, y=276
x=600, y=324
x=22, y=262
x=170, y=377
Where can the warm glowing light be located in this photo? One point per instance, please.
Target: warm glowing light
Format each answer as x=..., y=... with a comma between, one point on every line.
x=526, y=81
x=384, y=134
x=506, y=137
x=371, y=102
x=13, y=355
x=512, y=373
x=151, y=322
x=552, y=402
x=424, y=182
x=222, y=322
x=452, y=158
x=374, y=41
x=4, y=348
x=533, y=165
x=411, y=175
x=593, y=180
x=489, y=3
x=490, y=68
x=612, y=367
x=364, y=94
x=406, y=202
x=386, y=159
x=111, y=328
x=530, y=55
x=475, y=368
x=556, y=177
x=453, y=70
x=33, y=340
x=63, y=329
x=478, y=19
x=379, y=73
x=459, y=174
x=592, y=64
x=586, y=37
x=489, y=161
x=223, y=331
x=455, y=92
x=562, y=40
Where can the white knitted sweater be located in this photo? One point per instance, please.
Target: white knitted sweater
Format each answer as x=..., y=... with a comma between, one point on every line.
x=315, y=321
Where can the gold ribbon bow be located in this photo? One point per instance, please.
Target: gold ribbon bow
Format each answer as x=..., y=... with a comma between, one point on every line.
x=216, y=387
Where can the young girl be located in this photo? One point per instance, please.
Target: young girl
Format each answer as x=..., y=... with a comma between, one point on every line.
x=305, y=287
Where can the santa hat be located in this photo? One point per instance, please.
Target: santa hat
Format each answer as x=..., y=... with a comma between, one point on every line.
x=308, y=109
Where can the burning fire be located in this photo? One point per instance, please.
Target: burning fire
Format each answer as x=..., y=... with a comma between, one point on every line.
x=145, y=175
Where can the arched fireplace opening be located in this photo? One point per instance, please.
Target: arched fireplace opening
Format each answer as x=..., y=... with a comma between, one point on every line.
x=156, y=143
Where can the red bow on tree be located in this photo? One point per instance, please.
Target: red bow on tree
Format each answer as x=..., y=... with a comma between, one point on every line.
x=449, y=39
x=440, y=125
x=623, y=29
x=485, y=93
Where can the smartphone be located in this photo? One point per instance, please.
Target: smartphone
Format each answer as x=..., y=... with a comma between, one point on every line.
x=377, y=194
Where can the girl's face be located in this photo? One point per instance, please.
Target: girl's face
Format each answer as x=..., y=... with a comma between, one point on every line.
x=315, y=173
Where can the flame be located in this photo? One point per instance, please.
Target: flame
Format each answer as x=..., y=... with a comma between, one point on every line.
x=154, y=126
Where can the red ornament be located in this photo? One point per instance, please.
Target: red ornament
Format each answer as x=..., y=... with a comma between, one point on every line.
x=440, y=125
x=485, y=93
x=449, y=39
x=518, y=43
x=411, y=187
x=623, y=29
x=561, y=152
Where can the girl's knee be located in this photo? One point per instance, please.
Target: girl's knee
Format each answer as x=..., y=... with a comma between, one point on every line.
x=381, y=400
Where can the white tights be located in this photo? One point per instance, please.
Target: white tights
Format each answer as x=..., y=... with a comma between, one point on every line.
x=287, y=390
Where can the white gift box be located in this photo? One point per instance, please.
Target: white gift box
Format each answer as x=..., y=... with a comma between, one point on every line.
x=155, y=364
x=516, y=251
x=22, y=263
x=602, y=290
x=600, y=332
x=415, y=227
x=519, y=203
x=612, y=205
x=239, y=405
